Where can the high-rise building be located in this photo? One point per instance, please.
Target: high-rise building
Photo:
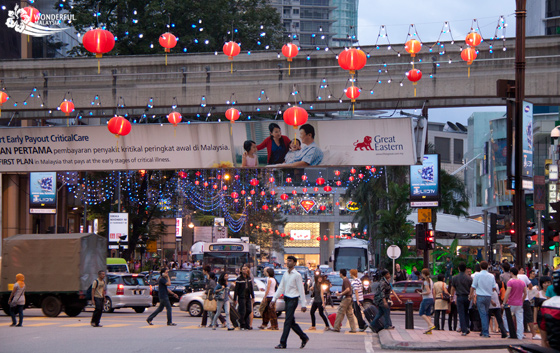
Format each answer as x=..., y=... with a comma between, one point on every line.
x=319, y=23
x=543, y=17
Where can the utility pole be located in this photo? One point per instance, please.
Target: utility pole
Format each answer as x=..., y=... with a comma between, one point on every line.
x=519, y=197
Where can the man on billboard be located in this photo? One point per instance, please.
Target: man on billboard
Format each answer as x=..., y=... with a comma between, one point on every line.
x=310, y=154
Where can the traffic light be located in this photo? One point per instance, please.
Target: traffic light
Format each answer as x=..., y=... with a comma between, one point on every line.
x=421, y=236
x=529, y=238
x=550, y=236
x=430, y=240
x=495, y=227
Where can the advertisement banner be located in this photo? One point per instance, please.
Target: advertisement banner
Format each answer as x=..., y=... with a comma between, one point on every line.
x=208, y=145
x=300, y=234
x=178, y=228
x=424, y=182
x=527, y=140
x=118, y=227
x=42, y=192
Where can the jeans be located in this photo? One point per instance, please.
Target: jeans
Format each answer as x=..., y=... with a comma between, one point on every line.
x=463, y=309
x=314, y=308
x=96, y=317
x=517, y=313
x=358, y=314
x=290, y=322
x=18, y=309
x=383, y=311
x=245, y=309
x=225, y=306
x=345, y=308
x=163, y=303
x=483, y=304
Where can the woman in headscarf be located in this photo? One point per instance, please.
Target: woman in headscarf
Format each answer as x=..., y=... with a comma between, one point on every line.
x=17, y=300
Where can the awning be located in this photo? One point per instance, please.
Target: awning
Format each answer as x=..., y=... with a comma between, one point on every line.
x=452, y=224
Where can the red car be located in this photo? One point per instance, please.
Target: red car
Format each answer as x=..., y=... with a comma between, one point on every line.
x=406, y=290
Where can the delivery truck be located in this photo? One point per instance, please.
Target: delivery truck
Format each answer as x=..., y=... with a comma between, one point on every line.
x=58, y=269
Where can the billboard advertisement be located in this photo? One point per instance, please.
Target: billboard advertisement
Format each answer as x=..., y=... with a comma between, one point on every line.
x=424, y=182
x=118, y=227
x=300, y=234
x=209, y=145
x=42, y=192
x=527, y=140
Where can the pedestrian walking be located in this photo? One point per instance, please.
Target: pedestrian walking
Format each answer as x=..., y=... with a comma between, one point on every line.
x=482, y=286
x=98, y=292
x=357, y=298
x=209, y=292
x=319, y=301
x=345, y=306
x=442, y=298
x=222, y=296
x=17, y=300
x=245, y=295
x=528, y=318
x=381, y=300
x=291, y=286
x=163, y=293
x=269, y=314
x=495, y=309
x=506, y=275
x=427, y=304
x=461, y=287
x=515, y=295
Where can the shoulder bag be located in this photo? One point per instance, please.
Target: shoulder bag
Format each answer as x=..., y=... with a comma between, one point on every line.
x=210, y=305
x=13, y=303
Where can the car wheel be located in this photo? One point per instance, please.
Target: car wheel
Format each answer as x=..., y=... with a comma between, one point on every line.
x=139, y=309
x=195, y=309
x=256, y=312
x=108, y=305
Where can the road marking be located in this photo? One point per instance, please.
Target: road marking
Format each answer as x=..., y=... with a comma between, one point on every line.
x=314, y=331
x=42, y=324
x=116, y=325
x=368, y=342
x=41, y=318
x=354, y=333
x=5, y=324
x=190, y=327
x=75, y=325
x=152, y=326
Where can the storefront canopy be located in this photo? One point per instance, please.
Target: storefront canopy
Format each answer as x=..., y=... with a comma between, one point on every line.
x=453, y=224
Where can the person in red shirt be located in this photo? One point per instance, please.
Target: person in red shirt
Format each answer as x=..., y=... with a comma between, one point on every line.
x=277, y=145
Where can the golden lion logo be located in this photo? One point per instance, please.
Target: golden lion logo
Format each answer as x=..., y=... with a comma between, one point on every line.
x=365, y=144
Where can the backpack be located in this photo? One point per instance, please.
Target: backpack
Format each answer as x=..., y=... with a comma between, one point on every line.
x=90, y=289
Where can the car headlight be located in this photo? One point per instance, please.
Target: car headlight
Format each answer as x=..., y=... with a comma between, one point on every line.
x=181, y=288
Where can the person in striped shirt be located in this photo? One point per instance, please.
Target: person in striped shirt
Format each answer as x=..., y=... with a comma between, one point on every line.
x=357, y=298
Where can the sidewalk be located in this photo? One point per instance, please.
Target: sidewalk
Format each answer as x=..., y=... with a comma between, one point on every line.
x=414, y=340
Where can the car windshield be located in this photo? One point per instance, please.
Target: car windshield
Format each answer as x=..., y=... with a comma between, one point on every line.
x=179, y=276
x=335, y=280
x=134, y=280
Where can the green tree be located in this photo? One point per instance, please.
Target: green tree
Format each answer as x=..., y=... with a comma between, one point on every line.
x=263, y=230
x=200, y=26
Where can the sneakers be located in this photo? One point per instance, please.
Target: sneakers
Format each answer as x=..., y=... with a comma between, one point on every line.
x=231, y=328
x=537, y=337
x=363, y=329
x=171, y=324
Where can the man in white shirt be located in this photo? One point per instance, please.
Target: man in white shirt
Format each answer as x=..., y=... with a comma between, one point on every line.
x=291, y=286
x=528, y=317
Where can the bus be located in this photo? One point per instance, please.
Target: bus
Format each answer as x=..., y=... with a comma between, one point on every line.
x=351, y=253
x=229, y=255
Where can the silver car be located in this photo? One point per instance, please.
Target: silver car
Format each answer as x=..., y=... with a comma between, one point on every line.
x=193, y=302
x=127, y=290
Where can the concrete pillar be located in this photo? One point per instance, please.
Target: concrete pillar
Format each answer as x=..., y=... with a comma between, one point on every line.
x=10, y=198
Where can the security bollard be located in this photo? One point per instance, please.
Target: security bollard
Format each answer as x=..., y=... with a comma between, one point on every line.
x=409, y=317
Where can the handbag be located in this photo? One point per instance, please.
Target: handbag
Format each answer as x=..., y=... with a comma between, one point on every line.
x=210, y=305
x=446, y=297
x=13, y=303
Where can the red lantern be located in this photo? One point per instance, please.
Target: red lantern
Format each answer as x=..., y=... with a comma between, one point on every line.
x=99, y=42
x=119, y=126
x=272, y=192
x=290, y=51
x=252, y=192
x=234, y=195
x=295, y=116
x=469, y=55
x=288, y=180
x=413, y=46
x=353, y=92
x=196, y=182
x=337, y=172
x=328, y=188
x=182, y=175
x=304, y=177
x=168, y=41
x=271, y=180
x=3, y=97
x=322, y=207
x=214, y=186
x=318, y=238
x=338, y=183
x=67, y=107
x=174, y=118
x=352, y=60
x=304, y=190
x=33, y=14
x=205, y=184
x=473, y=39
x=242, y=192
x=351, y=178
x=294, y=192
x=232, y=114
x=361, y=176
x=254, y=182
x=224, y=188
x=414, y=76
x=263, y=193
x=231, y=49
x=265, y=207
x=283, y=235
x=353, y=170
x=315, y=189
x=325, y=238
x=284, y=197
x=320, y=181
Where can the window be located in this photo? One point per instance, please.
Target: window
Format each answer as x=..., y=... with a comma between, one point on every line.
x=112, y=279
x=413, y=287
x=399, y=288
x=295, y=11
x=458, y=151
x=134, y=281
x=442, y=145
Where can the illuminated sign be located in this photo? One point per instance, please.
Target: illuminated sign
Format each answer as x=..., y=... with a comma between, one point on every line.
x=353, y=206
x=424, y=182
x=307, y=205
x=42, y=192
x=225, y=247
x=300, y=234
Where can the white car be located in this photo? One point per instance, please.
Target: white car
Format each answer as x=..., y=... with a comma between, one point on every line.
x=193, y=302
x=127, y=290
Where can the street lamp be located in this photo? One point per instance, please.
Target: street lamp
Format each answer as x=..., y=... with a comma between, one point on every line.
x=555, y=133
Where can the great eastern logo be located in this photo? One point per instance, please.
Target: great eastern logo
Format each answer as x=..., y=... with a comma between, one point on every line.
x=365, y=144
x=34, y=23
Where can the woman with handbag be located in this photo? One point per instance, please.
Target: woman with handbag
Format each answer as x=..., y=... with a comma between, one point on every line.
x=17, y=300
x=442, y=299
x=221, y=294
x=210, y=304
